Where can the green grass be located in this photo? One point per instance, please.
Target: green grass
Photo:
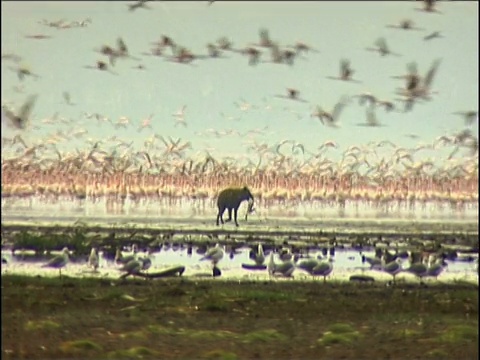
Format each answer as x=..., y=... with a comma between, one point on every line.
x=80, y=346
x=459, y=334
x=339, y=333
x=181, y=318
x=41, y=325
x=137, y=352
x=219, y=355
x=263, y=336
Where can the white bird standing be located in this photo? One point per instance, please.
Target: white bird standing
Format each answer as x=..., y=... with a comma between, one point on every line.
x=58, y=262
x=120, y=259
x=214, y=254
x=285, y=268
x=259, y=256
x=93, y=259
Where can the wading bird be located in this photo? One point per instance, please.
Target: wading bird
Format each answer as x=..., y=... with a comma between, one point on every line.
x=284, y=268
x=93, y=259
x=214, y=254
x=58, y=262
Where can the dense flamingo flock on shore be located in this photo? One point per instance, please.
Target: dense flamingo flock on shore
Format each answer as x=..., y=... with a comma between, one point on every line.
x=171, y=177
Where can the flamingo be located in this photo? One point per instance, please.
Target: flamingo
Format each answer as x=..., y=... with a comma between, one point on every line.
x=331, y=119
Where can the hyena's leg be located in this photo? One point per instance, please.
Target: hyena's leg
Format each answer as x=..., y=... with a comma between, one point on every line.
x=229, y=215
x=220, y=215
x=235, y=211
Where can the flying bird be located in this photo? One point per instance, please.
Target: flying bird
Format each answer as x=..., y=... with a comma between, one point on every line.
x=346, y=72
x=139, y=4
x=429, y=6
x=102, y=66
x=382, y=48
x=292, y=95
x=38, y=36
x=67, y=98
x=331, y=119
x=469, y=116
x=179, y=116
x=371, y=118
x=433, y=35
x=23, y=71
x=21, y=119
x=405, y=24
x=253, y=54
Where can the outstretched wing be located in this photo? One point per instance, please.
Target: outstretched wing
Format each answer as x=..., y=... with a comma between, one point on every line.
x=431, y=73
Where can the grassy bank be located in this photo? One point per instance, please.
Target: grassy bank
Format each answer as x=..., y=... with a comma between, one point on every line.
x=185, y=319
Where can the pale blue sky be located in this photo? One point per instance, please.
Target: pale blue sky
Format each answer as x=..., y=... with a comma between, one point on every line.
x=211, y=87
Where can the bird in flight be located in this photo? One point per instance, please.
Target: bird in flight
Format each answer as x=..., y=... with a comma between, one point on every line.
x=38, y=36
x=433, y=35
x=405, y=24
x=429, y=6
x=382, y=48
x=23, y=71
x=139, y=4
x=331, y=119
x=21, y=119
x=371, y=118
x=292, y=95
x=373, y=101
x=102, y=66
x=68, y=100
x=469, y=116
x=346, y=72
x=253, y=54
x=179, y=117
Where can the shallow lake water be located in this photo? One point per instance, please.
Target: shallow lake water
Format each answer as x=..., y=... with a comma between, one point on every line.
x=191, y=215
x=346, y=262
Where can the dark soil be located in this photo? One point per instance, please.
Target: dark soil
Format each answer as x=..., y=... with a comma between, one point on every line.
x=52, y=318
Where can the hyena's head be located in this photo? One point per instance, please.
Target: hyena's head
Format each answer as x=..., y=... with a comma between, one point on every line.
x=246, y=194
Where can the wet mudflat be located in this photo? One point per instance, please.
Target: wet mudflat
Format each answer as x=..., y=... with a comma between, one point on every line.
x=180, y=318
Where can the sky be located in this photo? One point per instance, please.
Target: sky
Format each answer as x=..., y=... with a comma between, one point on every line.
x=212, y=89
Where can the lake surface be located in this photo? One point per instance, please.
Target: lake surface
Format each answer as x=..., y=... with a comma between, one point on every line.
x=346, y=262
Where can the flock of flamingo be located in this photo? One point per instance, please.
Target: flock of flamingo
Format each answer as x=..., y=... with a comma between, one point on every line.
x=169, y=177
